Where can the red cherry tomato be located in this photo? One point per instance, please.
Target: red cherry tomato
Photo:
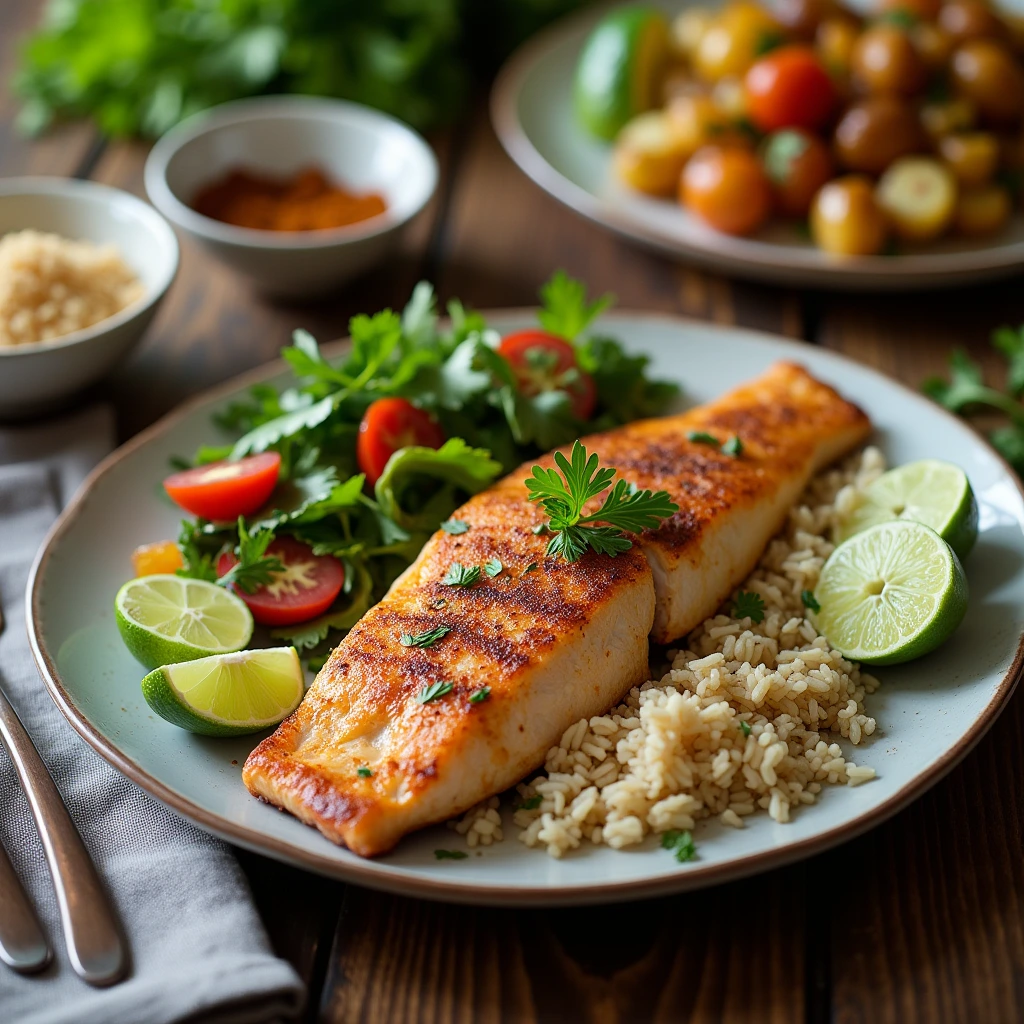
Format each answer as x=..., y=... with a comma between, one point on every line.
x=388, y=425
x=306, y=588
x=225, y=490
x=545, y=362
x=789, y=88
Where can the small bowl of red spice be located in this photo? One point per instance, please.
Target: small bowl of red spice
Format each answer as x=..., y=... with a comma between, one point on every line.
x=299, y=194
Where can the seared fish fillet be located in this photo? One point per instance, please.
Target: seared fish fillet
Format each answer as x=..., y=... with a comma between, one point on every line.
x=555, y=643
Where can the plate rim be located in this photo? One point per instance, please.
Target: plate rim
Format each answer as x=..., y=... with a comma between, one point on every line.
x=362, y=871
x=928, y=270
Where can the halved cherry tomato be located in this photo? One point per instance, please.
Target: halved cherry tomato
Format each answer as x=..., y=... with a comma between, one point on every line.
x=789, y=89
x=225, y=490
x=306, y=588
x=388, y=425
x=545, y=362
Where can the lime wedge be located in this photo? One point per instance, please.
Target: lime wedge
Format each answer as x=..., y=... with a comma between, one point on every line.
x=619, y=70
x=891, y=593
x=935, y=493
x=165, y=619
x=228, y=694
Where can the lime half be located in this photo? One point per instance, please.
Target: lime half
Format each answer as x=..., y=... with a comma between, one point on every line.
x=165, y=619
x=935, y=493
x=891, y=593
x=228, y=694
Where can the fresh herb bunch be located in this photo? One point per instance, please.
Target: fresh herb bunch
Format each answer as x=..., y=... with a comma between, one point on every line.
x=966, y=393
x=563, y=495
x=455, y=373
x=140, y=66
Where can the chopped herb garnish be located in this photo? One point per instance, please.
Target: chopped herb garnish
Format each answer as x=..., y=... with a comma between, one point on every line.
x=460, y=575
x=494, y=567
x=426, y=639
x=733, y=447
x=254, y=569
x=364, y=773
x=563, y=496
x=479, y=696
x=699, y=437
x=748, y=606
x=745, y=728
x=450, y=855
x=454, y=526
x=529, y=568
x=435, y=691
x=539, y=530
x=810, y=601
x=440, y=602
x=680, y=843
x=531, y=803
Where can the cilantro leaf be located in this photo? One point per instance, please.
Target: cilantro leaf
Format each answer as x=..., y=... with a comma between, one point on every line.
x=450, y=854
x=748, y=605
x=564, y=492
x=460, y=575
x=566, y=311
x=260, y=438
x=733, y=447
x=303, y=356
x=254, y=569
x=625, y=391
x=494, y=567
x=965, y=388
x=425, y=639
x=679, y=843
x=809, y=601
x=197, y=563
x=435, y=691
x=419, y=318
x=479, y=696
x=455, y=527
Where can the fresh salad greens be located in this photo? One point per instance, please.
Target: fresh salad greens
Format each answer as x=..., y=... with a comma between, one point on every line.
x=485, y=412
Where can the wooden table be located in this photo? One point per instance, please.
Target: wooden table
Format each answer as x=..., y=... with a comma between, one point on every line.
x=929, y=925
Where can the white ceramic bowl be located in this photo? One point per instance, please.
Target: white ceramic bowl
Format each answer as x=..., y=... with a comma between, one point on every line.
x=40, y=377
x=359, y=148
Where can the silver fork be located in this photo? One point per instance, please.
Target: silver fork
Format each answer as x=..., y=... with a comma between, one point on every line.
x=91, y=930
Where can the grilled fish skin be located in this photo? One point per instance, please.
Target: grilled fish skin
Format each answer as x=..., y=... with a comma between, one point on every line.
x=555, y=644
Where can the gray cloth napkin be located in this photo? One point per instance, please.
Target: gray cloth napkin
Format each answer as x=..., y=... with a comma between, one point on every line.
x=197, y=945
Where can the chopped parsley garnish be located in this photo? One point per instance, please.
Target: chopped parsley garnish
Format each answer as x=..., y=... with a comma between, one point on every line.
x=810, y=601
x=679, y=843
x=539, y=530
x=748, y=606
x=364, y=773
x=435, y=691
x=531, y=803
x=494, y=567
x=455, y=526
x=529, y=568
x=425, y=639
x=563, y=496
x=699, y=437
x=450, y=855
x=254, y=569
x=479, y=696
x=745, y=728
x=733, y=447
x=460, y=575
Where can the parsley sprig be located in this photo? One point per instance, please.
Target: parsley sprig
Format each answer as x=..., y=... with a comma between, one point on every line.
x=564, y=493
x=680, y=843
x=254, y=568
x=748, y=605
x=460, y=575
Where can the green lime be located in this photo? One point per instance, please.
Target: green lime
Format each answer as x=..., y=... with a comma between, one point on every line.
x=164, y=619
x=935, y=493
x=228, y=694
x=619, y=69
x=891, y=593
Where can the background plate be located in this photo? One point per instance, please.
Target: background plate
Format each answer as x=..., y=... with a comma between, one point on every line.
x=531, y=107
x=930, y=712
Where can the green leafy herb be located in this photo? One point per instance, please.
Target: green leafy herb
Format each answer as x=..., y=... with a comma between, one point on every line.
x=733, y=447
x=901, y=17
x=364, y=773
x=810, y=602
x=566, y=311
x=435, y=691
x=254, y=569
x=623, y=387
x=450, y=854
x=425, y=639
x=680, y=844
x=1010, y=342
x=699, y=437
x=455, y=526
x=767, y=42
x=460, y=575
x=539, y=530
x=745, y=728
x=780, y=151
x=197, y=563
x=494, y=567
x=564, y=494
x=529, y=568
x=748, y=606
x=531, y=803
x=479, y=696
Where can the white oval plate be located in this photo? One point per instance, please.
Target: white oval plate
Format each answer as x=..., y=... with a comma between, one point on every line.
x=930, y=712
x=531, y=107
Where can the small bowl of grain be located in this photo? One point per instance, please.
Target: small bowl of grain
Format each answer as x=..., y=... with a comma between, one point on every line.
x=83, y=269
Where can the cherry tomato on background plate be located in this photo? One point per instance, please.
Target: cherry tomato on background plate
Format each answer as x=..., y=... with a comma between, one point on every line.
x=789, y=88
x=226, y=490
x=388, y=425
x=545, y=362
x=727, y=188
x=307, y=587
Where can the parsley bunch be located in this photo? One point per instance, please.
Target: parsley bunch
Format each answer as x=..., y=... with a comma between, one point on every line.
x=563, y=496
